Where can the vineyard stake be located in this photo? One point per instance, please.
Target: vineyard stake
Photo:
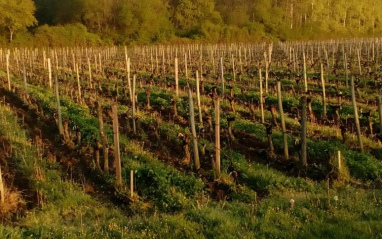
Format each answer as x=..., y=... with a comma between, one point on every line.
x=356, y=119
x=286, y=153
x=193, y=130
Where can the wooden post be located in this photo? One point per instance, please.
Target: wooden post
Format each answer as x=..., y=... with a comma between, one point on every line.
x=60, y=127
x=193, y=130
x=50, y=72
x=105, y=145
x=186, y=65
x=217, y=134
x=78, y=84
x=133, y=110
x=356, y=119
x=25, y=78
x=280, y=102
x=131, y=183
x=379, y=99
x=304, y=161
x=198, y=98
x=8, y=77
x=222, y=74
x=128, y=77
x=339, y=160
x=2, y=192
x=117, y=156
x=323, y=90
x=90, y=74
x=266, y=71
x=176, y=77
x=305, y=74
x=261, y=97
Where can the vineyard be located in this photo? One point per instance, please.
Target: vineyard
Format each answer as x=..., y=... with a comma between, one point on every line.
x=271, y=140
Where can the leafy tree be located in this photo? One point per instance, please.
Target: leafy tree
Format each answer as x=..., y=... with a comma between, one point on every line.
x=16, y=14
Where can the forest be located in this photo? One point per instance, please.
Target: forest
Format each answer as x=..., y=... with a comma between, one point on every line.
x=190, y=119
x=123, y=22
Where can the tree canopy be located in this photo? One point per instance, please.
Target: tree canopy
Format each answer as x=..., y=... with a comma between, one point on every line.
x=148, y=21
x=16, y=14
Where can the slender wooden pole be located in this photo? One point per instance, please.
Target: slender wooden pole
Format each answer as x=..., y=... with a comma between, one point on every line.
x=117, y=156
x=339, y=160
x=261, y=97
x=8, y=77
x=78, y=84
x=131, y=183
x=198, y=98
x=356, y=119
x=25, y=78
x=105, y=145
x=304, y=161
x=176, y=77
x=266, y=71
x=90, y=74
x=133, y=110
x=323, y=90
x=193, y=130
x=280, y=102
x=50, y=72
x=222, y=75
x=2, y=192
x=217, y=134
x=60, y=127
x=305, y=74
x=379, y=99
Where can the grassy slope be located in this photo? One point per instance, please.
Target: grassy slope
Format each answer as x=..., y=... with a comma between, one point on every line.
x=71, y=213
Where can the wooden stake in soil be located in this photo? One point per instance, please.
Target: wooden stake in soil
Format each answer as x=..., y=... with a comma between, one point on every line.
x=131, y=183
x=193, y=130
x=8, y=77
x=78, y=84
x=339, y=161
x=25, y=78
x=379, y=99
x=304, y=161
x=323, y=90
x=217, y=134
x=105, y=145
x=305, y=75
x=356, y=119
x=117, y=156
x=2, y=192
x=60, y=127
x=286, y=153
x=198, y=98
x=176, y=77
x=261, y=97
x=222, y=74
x=50, y=72
x=133, y=110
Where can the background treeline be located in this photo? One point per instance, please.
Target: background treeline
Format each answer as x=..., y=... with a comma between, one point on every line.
x=93, y=22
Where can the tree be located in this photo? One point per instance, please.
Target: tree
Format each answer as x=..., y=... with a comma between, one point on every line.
x=16, y=14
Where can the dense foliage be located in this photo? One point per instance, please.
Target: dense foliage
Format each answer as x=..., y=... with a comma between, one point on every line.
x=150, y=21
